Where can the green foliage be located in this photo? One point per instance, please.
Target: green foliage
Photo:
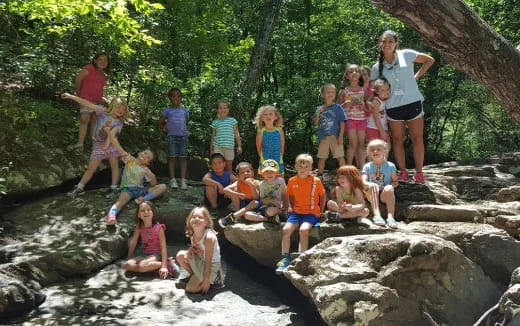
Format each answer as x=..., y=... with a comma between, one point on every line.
x=204, y=48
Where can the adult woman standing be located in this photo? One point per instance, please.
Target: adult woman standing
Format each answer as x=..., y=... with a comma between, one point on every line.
x=404, y=107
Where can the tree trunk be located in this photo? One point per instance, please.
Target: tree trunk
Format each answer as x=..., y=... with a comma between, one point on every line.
x=272, y=10
x=466, y=42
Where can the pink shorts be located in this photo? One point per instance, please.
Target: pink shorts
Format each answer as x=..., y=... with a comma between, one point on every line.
x=356, y=124
x=374, y=134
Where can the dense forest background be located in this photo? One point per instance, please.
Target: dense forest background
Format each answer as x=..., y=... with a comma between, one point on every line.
x=205, y=48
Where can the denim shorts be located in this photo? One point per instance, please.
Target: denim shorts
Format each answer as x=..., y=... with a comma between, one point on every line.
x=139, y=253
x=296, y=218
x=135, y=192
x=245, y=202
x=177, y=146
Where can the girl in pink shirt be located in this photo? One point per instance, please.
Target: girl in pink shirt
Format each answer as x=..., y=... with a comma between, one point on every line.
x=153, y=254
x=90, y=83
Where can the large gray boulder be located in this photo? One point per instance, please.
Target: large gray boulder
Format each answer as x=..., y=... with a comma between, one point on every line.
x=392, y=279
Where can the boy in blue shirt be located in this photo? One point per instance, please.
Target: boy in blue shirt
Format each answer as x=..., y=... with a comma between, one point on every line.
x=330, y=119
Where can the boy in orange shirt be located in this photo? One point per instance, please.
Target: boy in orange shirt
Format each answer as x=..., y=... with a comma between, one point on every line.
x=307, y=200
x=243, y=194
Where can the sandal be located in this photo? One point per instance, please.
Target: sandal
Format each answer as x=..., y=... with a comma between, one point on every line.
x=378, y=220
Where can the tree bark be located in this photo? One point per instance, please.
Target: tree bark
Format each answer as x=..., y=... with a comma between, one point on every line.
x=271, y=13
x=466, y=42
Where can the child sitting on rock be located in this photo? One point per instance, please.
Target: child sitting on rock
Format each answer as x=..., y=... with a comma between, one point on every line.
x=307, y=201
x=215, y=181
x=153, y=255
x=132, y=183
x=349, y=203
x=273, y=195
x=381, y=177
x=243, y=194
x=202, y=259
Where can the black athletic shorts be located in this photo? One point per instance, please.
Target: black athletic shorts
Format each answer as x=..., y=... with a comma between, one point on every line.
x=405, y=112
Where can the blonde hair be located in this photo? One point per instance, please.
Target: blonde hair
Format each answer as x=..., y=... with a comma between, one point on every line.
x=278, y=122
x=303, y=158
x=226, y=103
x=149, y=151
x=329, y=85
x=116, y=101
x=377, y=143
x=207, y=218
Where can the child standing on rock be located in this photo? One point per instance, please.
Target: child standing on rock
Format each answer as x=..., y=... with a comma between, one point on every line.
x=224, y=135
x=202, y=259
x=270, y=138
x=307, y=200
x=381, y=177
x=174, y=121
x=153, y=255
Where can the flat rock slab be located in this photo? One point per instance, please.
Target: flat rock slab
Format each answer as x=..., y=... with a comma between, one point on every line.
x=113, y=297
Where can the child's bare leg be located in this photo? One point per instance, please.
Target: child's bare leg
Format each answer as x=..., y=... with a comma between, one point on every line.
x=157, y=190
x=91, y=169
x=114, y=167
x=321, y=164
x=305, y=228
x=171, y=166
x=360, y=153
x=123, y=199
x=272, y=211
x=149, y=264
x=352, y=145
x=333, y=206
x=249, y=207
x=193, y=285
x=355, y=214
x=235, y=201
x=182, y=259
x=254, y=217
x=132, y=263
x=229, y=166
x=287, y=230
x=211, y=196
x=184, y=166
x=388, y=197
x=373, y=198
x=84, y=120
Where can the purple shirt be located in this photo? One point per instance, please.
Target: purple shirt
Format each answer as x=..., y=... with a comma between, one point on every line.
x=177, y=121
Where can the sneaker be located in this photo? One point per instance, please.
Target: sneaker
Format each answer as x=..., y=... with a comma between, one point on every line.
x=184, y=186
x=139, y=200
x=403, y=176
x=364, y=221
x=76, y=191
x=173, y=184
x=391, y=222
x=173, y=269
x=273, y=219
x=378, y=220
x=419, y=177
x=111, y=219
x=333, y=217
x=112, y=192
x=227, y=221
x=282, y=265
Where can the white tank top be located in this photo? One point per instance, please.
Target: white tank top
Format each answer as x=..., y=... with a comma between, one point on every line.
x=382, y=116
x=216, y=248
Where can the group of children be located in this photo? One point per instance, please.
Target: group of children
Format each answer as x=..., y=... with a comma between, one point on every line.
x=360, y=113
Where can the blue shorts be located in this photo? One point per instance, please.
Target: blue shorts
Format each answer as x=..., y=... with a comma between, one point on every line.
x=139, y=253
x=296, y=218
x=177, y=146
x=135, y=192
x=245, y=202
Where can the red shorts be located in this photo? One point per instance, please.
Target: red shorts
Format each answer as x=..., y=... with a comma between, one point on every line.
x=356, y=124
x=374, y=134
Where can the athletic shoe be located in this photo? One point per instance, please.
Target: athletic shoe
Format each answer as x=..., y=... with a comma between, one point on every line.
x=391, y=222
x=111, y=219
x=403, y=176
x=364, y=221
x=227, y=221
x=283, y=264
x=76, y=191
x=419, y=177
x=378, y=220
x=273, y=219
x=184, y=186
x=173, y=184
x=173, y=269
x=333, y=217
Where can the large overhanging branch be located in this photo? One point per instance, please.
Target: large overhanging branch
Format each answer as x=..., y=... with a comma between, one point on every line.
x=466, y=42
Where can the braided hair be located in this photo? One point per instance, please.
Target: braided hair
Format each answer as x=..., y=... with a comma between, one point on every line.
x=381, y=57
